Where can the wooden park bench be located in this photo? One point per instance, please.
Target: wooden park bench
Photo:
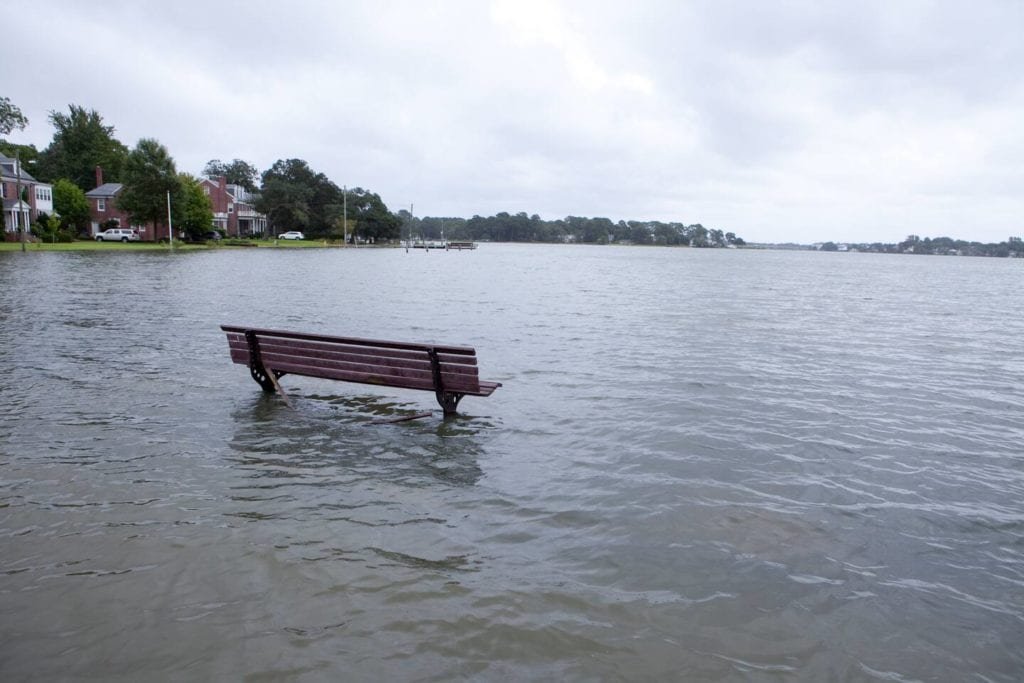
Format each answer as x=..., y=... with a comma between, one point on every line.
x=449, y=371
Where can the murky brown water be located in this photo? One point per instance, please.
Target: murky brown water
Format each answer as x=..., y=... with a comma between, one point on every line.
x=703, y=465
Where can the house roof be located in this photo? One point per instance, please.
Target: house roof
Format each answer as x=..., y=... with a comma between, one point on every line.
x=10, y=204
x=105, y=190
x=9, y=170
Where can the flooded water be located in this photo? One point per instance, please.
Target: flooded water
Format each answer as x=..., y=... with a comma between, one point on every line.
x=703, y=465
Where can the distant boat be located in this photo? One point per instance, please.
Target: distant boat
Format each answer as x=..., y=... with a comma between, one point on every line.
x=461, y=244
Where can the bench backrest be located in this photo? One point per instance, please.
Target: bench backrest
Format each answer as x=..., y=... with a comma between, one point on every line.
x=367, y=361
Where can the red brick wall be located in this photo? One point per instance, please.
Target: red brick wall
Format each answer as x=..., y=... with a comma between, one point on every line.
x=217, y=193
x=29, y=189
x=221, y=200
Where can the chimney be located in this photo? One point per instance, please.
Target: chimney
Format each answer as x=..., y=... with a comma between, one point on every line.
x=99, y=176
x=222, y=181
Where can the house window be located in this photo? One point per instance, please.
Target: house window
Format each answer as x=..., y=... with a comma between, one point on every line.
x=3, y=190
x=101, y=204
x=206, y=189
x=231, y=208
x=43, y=194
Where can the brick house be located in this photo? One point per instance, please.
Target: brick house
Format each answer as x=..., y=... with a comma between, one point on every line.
x=103, y=209
x=17, y=211
x=233, y=210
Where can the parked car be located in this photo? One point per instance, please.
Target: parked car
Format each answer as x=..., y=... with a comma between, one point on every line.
x=212, y=235
x=117, y=235
x=292, y=235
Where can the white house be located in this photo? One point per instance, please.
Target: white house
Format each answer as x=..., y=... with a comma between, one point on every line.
x=21, y=211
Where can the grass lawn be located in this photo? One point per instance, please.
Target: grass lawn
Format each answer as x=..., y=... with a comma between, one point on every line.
x=86, y=245
x=92, y=245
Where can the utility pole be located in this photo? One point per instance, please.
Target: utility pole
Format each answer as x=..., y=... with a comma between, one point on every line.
x=17, y=189
x=344, y=211
x=409, y=231
x=170, y=228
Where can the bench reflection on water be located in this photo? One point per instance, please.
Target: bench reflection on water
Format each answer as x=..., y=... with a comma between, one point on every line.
x=328, y=439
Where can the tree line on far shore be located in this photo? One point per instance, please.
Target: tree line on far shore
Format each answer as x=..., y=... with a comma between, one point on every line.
x=520, y=227
x=290, y=193
x=934, y=246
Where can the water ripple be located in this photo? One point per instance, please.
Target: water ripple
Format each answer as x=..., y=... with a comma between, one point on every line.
x=704, y=464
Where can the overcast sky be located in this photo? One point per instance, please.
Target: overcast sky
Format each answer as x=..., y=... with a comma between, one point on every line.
x=779, y=121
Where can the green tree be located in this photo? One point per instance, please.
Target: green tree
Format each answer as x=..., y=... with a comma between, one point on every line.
x=323, y=214
x=238, y=172
x=698, y=235
x=295, y=197
x=335, y=216
x=11, y=118
x=149, y=175
x=70, y=203
x=731, y=238
x=285, y=203
x=591, y=230
x=912, y=244
x=48, y=228
x=639, y=233
x=192, y=210
x=374, y=221
x=80, y=144
x=28, y=154
x=666, y=233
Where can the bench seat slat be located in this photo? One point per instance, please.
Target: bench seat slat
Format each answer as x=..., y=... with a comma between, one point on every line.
x=487, y=388
x=379, y=379
x=314, y=347
x=452, y=381
x=317, y=355
x=422, y=362
x=451, y=374
x=266, y=334
x=352, y=376
x=385, y=374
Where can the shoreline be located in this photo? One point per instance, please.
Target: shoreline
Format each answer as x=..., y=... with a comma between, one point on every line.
x=89, y=245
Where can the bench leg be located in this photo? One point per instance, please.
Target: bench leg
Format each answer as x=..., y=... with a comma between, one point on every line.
x=449, y=401
x=264, y=379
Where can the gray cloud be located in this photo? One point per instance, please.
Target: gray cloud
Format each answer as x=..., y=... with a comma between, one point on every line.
x=778, y=121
